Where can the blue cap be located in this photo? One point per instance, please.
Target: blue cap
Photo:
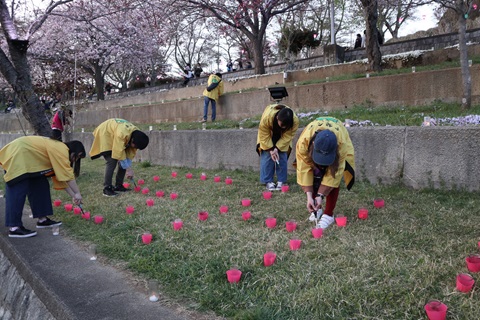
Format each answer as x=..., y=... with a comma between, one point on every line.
x=324, y=148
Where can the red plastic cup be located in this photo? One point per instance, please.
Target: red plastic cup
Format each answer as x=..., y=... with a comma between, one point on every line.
x=98, y=219
x=285, y=188
x=145, y=190
x=246, y=215
x=473, y=263
x=317, y=233
x=479, y=245
x=57, y=203
x=246, y=202
x=271, y=222
x=126, y=185
x=228, y=180
x=234, y=275
x=68, y=207
x=362, y=213
x=86, y=215
x=159, y=194
x=223, y=209
x=341, y=221
x=269, y=258
x=189, y=176
x=203, y=215
x=267, y=195
x=216, y=178
x=436, y=310
x=141, y=182
x=177, y=224
x=295, y=244
x=465, y=282
x=291, y=226
x=203, y=177
x=146, y=238
x=174, y=174
x=129, y=209
x=137, y=188
x=156, y=178
x=150, y=202
x=77, y=210
x=173, y=195
x=378, y=203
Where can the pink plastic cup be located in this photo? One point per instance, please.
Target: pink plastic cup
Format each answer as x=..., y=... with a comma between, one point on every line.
x=145, y=190
x=203, y=215
x=137, y=189
x=150, y=202
x=269, y=258
x=362, y=213
x=267, y=195
x=86, y=215
x=246, y=202
x=98, y=219
x=436, y=310
x=189, y=176
x=473, y=263
x=129, y=209
x=203, y=177
x=57, y=203
x=228, y=180
x=317, y=233
x=271, y=222
x=146, y=238
x=177, y=224
x=341, y=221
x=295, y=244
x=68, y=207
x=141, y=182
x=173, y=195
x=174, y=174
x=285, y=188
x=159, y=194
x=291, y=226
x=378, y=203
x=126, y=185
x=223, y=209
x=156, y=178
x=216, y=178
x=234, y=275
x=246, y=215
x=77, y=210
x=465, y=282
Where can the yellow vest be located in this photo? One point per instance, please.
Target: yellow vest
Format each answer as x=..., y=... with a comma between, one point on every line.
x=218, y=91
x=113, y=135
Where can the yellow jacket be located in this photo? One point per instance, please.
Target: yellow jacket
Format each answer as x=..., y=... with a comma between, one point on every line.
x=113, y=135
x=218, y=91
x=264, y=136
x=34, y=156
x=304, y=163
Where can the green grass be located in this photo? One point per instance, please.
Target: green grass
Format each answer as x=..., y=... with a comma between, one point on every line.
x=385, y=267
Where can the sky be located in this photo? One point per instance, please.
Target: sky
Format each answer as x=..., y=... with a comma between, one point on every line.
x=425, y=20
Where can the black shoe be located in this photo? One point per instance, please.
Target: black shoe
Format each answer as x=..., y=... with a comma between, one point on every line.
x=21, y=232
x=121, y=188
x=48, y=223
x=109, y=191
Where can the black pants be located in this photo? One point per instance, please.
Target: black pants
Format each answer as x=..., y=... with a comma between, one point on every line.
x=110, y=169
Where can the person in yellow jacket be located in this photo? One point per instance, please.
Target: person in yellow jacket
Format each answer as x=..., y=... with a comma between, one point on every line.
x=211, y=94
x=117, y=140
x=276, y=131
x=325, y=154
x=28, y=163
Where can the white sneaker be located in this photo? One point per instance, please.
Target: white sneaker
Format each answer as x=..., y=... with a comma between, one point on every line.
x=279, y=185
x=325, y=221
x=271, y=186
x=313, y=217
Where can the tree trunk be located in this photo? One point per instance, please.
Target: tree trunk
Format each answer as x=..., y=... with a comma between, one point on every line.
x=32, y=109
x=466, y=78
x=258, y=56
x=99, y=82
x=373, y=48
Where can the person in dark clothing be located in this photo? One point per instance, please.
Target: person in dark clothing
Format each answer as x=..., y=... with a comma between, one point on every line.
x=358, y=41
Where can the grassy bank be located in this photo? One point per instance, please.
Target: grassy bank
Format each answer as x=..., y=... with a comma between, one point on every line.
x=385, y=267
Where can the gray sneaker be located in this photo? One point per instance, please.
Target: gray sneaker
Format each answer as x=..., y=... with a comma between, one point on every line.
x=271, y=186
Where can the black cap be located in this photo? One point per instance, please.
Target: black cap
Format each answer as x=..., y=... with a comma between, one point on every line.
x=140, y=139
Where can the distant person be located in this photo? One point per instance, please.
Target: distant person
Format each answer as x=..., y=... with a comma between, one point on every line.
x=198, y=70
x=188, y=75
x=117, y=140
x=249, y=65
x=276, y=131
x=28, y=163
x=358, y=41
x=211, y=95
x=108, y=88
x=60, y=120
x=364, y=39
x=240, y=64
x=230, y=66
x=10, y=106
x=325, y=154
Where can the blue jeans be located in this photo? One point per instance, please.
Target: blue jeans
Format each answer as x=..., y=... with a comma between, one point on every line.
x=206, y=100
x=268, y=167
x=37, y=190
